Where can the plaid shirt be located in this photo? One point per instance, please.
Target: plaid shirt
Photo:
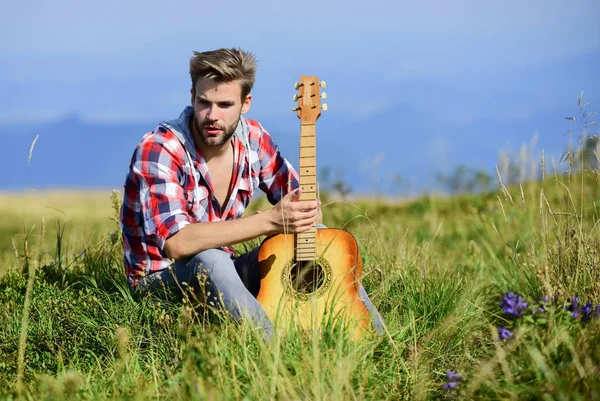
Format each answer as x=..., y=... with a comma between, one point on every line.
x=168, y=187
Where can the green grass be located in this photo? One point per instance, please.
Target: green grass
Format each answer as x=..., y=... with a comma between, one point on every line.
x=436, y=268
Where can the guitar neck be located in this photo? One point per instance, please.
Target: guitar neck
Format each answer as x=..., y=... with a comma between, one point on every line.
x=308, y=162
x=306, y=242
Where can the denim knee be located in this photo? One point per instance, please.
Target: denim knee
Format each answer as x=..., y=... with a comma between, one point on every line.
x=208, y=259
x=191, y=270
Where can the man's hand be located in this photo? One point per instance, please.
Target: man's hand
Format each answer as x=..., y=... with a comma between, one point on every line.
x=292, y=216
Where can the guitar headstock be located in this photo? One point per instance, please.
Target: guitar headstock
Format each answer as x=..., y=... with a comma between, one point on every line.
x=309, y=99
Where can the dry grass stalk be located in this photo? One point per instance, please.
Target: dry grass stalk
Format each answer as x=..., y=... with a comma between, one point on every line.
x=502, y=207
x=504, y=189
x=26, y=310
x=543, y=167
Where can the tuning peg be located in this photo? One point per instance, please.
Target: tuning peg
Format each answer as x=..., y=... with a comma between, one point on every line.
x=296, y=97
x=323, y=84
x=297, y=85
x=295, y=108
x=323, y=95
x=324, y=106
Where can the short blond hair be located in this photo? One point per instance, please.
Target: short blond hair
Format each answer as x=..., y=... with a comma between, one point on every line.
x=224, y=65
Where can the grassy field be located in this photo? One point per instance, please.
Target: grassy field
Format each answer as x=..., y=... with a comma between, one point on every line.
x=439, y=270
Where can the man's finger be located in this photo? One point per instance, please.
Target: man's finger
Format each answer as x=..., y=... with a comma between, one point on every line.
x=304, y=206
x=295, y=194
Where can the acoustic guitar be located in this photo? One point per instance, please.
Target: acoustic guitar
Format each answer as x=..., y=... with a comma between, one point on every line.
x=312, y=278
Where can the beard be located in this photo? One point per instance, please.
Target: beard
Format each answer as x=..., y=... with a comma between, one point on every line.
x=214, y=140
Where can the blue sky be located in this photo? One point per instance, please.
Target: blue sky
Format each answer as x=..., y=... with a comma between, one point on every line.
x=458, y=64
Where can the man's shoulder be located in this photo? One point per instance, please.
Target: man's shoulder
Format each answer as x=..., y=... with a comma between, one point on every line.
x=161, y=138
x=257, y=132
x=254, y=127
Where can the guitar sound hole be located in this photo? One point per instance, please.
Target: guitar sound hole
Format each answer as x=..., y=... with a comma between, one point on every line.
x=307, y=276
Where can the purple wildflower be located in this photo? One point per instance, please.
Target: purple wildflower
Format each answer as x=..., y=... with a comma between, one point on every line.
x=597, y=314
x=542, y=302
x=453, y=375
x=575, y=308
x=513, y=304
x=454, y=378
x=504, y=333
x=587, y=310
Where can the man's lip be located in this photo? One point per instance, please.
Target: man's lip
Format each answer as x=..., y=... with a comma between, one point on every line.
x=211, y=130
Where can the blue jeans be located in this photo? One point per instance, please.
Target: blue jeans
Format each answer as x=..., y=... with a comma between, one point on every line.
x=232, y=283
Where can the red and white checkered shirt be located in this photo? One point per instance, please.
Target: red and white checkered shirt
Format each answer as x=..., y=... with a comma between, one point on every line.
x=168, y=187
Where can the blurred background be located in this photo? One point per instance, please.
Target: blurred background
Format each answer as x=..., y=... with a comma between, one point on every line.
x=423, y=96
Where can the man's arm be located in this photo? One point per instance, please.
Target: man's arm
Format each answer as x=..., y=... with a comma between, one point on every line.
x=288, y=216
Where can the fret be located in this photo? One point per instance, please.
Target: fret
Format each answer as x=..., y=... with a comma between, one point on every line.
x=312, y=249
x=308, y=141
x=308, y=131
x=308, y=186
x=309, y=151
x=307, y=162
x=307, y=256
x=308, y=172
x=310, y=235
x=308, y=246
x=306, y=250
x=306, y=239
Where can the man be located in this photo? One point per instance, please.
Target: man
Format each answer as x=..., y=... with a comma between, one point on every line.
x=190, y=181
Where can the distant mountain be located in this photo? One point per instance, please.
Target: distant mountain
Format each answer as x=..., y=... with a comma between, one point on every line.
x=69, y=153
x=75, y=153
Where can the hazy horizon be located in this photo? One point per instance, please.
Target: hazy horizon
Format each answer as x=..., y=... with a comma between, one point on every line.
x=413, y=89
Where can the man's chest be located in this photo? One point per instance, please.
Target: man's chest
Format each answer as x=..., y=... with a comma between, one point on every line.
x=221, y=172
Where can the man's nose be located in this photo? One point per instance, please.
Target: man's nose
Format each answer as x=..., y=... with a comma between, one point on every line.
x=213, y=113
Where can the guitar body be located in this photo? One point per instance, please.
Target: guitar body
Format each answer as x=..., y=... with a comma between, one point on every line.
x=313, y=293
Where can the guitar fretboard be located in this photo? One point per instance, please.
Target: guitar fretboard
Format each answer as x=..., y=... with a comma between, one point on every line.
x=306, y=242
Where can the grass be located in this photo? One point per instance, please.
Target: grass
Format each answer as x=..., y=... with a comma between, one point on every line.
x=436, y=268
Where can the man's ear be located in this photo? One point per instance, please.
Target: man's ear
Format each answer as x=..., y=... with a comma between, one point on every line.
x=193, y=93
x=246, y=104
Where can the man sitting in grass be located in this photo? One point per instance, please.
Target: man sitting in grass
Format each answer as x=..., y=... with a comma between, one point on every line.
x=190, y=181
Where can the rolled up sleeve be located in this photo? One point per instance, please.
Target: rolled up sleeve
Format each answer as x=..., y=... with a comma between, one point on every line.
x=162, y=197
